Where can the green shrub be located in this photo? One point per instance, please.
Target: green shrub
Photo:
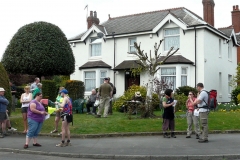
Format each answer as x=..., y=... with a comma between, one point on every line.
x=127, y=96
x=185, y=90
x=20, y=91
x=61, y=80
x=234, y=94
x=75, y=89
x=4, y=83
x=49, y=89
x=181, y=102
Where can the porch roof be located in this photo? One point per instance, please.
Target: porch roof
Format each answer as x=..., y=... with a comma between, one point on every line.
x=127, y=64
x=95, y=64
x=178, y=59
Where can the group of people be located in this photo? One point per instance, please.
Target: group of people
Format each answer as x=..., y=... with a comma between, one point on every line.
x=104, y=95
x=34, y=113
x=196, y=109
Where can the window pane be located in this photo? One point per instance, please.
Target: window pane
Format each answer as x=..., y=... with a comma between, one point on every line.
x=102, y=76
x=132, y=41
x=173, y=31
x=184, y=70
x=171, y=42
x=96, y=49
x=170, y=79
x=132, y=49
x=168, y=71
x=91, y=75
x=90, y=84
x=183, y=80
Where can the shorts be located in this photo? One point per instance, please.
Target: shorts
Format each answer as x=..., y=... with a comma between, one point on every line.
x=3, y=116
x=24, y=109
x=68, y=118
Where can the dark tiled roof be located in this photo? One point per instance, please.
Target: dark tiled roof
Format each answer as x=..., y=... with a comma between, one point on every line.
x=178, y=59
x=145, y=21
x=77, y=37
x=227, y=31
x=127, y=65
x=95, y=64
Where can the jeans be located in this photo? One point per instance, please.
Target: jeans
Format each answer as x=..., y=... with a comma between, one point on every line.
x=34, y=128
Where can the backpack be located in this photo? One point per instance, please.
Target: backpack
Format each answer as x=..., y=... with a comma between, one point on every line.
x=212, y=99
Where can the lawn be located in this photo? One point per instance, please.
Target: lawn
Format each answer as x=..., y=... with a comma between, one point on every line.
x=119, y=123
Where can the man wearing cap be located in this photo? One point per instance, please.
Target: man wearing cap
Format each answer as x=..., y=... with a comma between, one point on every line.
x=3, y=108
x=105, y=93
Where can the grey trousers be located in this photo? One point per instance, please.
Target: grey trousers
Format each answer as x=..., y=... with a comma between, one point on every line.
x=192, y=120
x=204, y=123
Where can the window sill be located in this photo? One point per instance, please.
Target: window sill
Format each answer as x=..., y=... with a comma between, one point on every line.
x=95, y=58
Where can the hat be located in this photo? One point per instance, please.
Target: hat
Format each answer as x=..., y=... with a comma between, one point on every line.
x=2, y=90
x=106, y=78
x=137, y=94
x=64, y=91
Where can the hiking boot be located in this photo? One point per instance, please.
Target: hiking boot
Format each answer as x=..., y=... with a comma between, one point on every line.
x=197, y=136
x=173, y=135
x=68, y=144
x=188, y=136
x=203, y=141
x=61, y=145
x=165, y=135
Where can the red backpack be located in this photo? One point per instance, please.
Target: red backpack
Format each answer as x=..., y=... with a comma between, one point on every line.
x=212, y=99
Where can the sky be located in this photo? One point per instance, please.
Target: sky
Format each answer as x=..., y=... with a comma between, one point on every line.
x=70, y=15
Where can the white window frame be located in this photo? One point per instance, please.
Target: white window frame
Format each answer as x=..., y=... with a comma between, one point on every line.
x=184, y=75
x=101, y=79
x=131, y=45
x=174, y=75
x=89, y=79
x=97, y=42
x=174, y=35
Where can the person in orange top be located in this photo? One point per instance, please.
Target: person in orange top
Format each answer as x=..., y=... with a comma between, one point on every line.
x=191, y=118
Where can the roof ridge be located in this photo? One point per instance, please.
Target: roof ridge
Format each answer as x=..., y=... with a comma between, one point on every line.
x=136, y=14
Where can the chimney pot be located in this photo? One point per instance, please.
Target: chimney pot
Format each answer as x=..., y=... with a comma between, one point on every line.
x=237, y=8
x=95, y=14
x=91, y=13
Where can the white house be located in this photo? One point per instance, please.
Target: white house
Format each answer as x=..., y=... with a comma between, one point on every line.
x=206, y=54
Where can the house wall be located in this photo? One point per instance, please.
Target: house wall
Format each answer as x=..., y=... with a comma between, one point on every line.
x=216, y=65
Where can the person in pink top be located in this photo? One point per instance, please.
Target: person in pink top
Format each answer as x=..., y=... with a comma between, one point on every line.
x=191, y=118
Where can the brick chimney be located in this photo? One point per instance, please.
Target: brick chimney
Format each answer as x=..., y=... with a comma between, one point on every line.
x=208, y=11
x=236, y=19
x=92, y=19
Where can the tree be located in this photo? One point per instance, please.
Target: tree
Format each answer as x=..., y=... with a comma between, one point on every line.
x=4, y=83
x=39, y=48
x=151, y=65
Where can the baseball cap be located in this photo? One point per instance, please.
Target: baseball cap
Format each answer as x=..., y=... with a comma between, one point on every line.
x=64, y=91
x=2, y=89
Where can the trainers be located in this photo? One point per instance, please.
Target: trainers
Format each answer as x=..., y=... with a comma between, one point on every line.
x=61, y=145
x=188, y=136
x=54, y=131
x=203, y=141
x=173, y=135
x=12, y=129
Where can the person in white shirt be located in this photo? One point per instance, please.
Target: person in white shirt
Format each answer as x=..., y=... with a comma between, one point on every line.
x=202, y=102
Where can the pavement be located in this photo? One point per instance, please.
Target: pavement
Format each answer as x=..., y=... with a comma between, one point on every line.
x=220, y=146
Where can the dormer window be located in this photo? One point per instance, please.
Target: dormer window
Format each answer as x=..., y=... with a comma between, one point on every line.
x=96, y=46
x=171, y=38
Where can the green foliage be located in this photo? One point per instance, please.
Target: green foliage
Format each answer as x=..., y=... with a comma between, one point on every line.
x=181, y=102
x=75, y=89
x=234, y=94
x=39, y=48
x=185, y=90
x=20, y=91
x=49, y=89
x=61, y=80
x=4, y=83
x=237, y=77
x=128, y=95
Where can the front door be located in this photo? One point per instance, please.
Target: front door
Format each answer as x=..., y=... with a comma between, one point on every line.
x=131, y=80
